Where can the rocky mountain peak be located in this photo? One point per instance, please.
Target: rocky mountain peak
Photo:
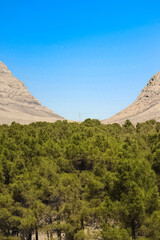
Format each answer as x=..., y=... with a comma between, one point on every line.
x=154, y=81
x=146, y=106
x=4, y=69
x=18, y=104
x=151, y=92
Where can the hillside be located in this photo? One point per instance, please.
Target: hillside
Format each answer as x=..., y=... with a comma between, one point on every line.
x=18, y=104
x=146, y=106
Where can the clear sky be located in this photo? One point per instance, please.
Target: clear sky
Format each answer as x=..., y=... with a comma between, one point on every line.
x=81, y=58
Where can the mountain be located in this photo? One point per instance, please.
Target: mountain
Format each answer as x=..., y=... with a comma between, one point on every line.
x=146, y=106
x=18, y=104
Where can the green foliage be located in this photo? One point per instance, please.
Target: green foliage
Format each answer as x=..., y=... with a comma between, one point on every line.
x=87, y=181
x=110, y=233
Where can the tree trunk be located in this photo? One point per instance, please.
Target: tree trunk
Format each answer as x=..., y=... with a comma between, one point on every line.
x=22, y=236
x=51, y=235
x=36, y=234
x=133, y=230
x=59, y=234
x=82, y=223
x=48, y=235
x=29, y=236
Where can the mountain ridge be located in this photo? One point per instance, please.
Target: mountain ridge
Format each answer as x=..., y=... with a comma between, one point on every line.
x=145, y=107
x=18, y=104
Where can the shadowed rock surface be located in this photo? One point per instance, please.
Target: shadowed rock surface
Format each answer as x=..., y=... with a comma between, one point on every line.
x=18, y=104
x=146, y=106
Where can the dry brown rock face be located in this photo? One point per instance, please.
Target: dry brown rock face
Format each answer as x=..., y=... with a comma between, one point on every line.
x=17, y=104
x=146, y=106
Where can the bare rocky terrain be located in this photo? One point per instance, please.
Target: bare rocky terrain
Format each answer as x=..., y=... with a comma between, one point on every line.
x=146, y=106
x=18, y=104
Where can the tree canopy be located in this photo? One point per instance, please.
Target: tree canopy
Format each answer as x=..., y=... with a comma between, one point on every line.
x=80, y=181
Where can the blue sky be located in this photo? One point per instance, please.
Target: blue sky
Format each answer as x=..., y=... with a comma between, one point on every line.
x=81, y=58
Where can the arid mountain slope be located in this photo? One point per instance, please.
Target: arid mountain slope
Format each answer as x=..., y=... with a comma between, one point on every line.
x=146, y=106
x=17, y=104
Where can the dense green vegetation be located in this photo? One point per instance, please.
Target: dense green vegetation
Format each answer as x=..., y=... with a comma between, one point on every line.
x=87, y=181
